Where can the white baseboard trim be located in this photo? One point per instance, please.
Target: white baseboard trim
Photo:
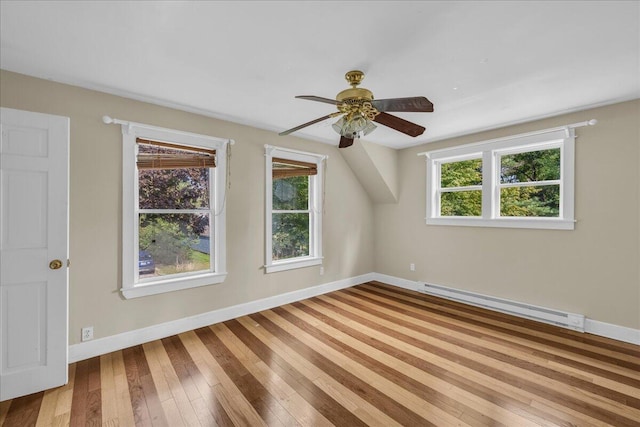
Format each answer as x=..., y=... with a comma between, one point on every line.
x=620, y=333
x=100, y=346
x=607, y=330
x=396, y=281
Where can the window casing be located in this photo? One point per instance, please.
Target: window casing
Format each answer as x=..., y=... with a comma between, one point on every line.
x=523, y=181
x=194, y=218
x=294, y=198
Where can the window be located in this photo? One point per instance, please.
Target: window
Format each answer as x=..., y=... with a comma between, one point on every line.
x=174, y=187
x=461, y=187
x=524, y=181
x=294, y=209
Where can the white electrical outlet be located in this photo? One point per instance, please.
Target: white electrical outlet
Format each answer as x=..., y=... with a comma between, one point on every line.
x=412, y=267
x=87, y=333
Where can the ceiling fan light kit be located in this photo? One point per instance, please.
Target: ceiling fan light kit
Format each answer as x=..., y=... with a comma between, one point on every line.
x=359, y=110
x=353, y=127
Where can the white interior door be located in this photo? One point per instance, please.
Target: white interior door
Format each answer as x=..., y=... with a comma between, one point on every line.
x=34, y=153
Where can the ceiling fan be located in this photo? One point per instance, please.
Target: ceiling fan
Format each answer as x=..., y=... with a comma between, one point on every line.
x=359, y=110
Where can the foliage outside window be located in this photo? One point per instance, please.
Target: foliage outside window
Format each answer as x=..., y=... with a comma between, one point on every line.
x=461, y=188
x=522, y=181
x=174, y=214
x=173, y=210
x=530, y=184
x=294, y=211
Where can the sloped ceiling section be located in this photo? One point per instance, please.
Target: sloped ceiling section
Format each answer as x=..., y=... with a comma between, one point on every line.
x=376, y=167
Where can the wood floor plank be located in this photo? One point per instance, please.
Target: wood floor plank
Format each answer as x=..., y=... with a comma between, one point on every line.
x=47, y=408
x=533, y=330
x=464, y=406
x=4, y=410
x=108, y=391
x=501, y=337
x=268, y=401
x=527, y=367
x=80, y=394
x=23, y=411
x=451, y=362
x=372, y=393
x=94, y=396
x=303, y=385
x=512, y=376
x=252, y=390
x=565, y=355
x=174, y=397
x=589, y=384
x=122, y=395
x=393, y=384
x=573, y=337
x=146, y=405
x=333, y=387
x=236, y=407
x=372, y=354
x=210, y=372
x=426, y=363
x=298, y=408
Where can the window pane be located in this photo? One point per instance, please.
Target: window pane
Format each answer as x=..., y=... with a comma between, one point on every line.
x=173, y=243
x=461, y=174
x=291, y=193
x=186, y=188
x=461, y=203
x=530, y=166
x=290, y=235
x=542, y=201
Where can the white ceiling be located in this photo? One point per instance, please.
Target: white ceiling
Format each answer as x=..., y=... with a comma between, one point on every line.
x=482, y=64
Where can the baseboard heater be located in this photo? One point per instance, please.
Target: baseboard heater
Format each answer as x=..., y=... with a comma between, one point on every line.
x=554, y=317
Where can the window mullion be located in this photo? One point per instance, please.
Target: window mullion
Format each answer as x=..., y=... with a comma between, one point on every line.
x=490, y=194
x=433, y=182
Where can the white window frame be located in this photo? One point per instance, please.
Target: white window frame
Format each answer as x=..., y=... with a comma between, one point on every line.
x=491, y=152
x=315, y=209
x=132, y=285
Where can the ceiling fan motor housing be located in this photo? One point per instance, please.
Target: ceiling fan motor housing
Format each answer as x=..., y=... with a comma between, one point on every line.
x=354, y=94
x=359, y=111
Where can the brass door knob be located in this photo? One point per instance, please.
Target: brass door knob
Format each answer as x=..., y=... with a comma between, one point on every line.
x=55, y=264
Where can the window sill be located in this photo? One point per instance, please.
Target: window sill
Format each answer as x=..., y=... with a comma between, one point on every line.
x=292, y=264
x=170, y=285
x=537, y=223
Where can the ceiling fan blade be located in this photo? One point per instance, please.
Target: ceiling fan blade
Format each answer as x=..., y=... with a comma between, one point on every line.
x=345, y=142
x=401, y=125
x=319, y=99
x=418, y=104
x=312, y=122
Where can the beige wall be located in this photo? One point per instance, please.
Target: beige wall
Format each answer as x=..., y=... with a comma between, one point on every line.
x=592, y=270
x=95, y=210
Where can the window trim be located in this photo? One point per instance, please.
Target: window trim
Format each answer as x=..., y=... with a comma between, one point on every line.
x=132, y=286
x=315, y=215
x=490, y=151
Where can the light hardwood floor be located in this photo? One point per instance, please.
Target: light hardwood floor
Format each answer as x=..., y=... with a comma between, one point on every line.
x=368, y=355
